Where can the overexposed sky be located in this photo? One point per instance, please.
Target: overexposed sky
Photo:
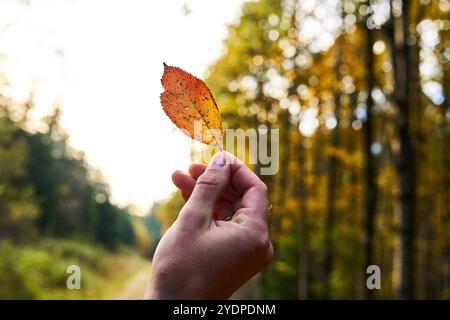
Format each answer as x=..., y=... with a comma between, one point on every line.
x=102, y=60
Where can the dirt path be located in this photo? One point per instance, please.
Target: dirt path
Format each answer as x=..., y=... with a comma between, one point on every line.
x=134, y=288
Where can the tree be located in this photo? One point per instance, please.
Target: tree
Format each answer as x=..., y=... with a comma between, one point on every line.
x=405, y=101
x=370, y=188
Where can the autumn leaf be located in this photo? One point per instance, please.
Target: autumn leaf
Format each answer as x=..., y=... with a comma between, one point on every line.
x=188, y=102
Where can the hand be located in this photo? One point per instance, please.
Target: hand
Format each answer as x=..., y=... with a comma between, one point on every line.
x=220, y=238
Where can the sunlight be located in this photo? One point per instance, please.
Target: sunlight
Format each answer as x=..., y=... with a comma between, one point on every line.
x=308, y=122
x=102, y=62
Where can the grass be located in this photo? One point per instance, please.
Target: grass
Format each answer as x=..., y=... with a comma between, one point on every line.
x=39, y=271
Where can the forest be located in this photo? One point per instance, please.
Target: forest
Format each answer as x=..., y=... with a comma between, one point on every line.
x=50, y=196
x=360, y=92
x=363, y=111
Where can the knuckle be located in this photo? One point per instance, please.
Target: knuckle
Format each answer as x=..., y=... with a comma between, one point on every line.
x=210, y=179
x=262, y=187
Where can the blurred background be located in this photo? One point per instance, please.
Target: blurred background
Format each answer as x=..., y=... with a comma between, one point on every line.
x=359, y=90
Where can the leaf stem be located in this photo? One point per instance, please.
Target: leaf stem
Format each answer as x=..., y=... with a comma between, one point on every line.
x=218, y=145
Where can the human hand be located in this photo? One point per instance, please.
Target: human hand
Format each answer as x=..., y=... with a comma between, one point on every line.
x=220, y=238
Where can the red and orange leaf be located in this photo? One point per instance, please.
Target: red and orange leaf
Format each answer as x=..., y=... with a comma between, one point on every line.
x=188, y=102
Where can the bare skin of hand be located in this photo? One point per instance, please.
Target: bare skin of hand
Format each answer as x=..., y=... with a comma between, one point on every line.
x=220, y=239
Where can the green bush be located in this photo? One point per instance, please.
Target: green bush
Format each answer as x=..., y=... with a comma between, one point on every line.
x=39, y=271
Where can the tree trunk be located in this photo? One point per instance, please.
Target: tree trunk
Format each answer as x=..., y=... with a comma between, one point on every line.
x=370, y=189
x=404, y=156
x=303, y=225
x=331, y=184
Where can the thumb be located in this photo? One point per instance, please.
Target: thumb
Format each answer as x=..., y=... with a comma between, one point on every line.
x=208, y=189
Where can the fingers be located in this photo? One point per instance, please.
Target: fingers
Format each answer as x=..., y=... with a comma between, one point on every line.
x=255, y=205
x=197, y=169
x=207, y=190
x=225, y=206
x=223, y=210
x=183, y=181
x=254, y=202
x=243, y=179
x=244, y=190
x=186, y=182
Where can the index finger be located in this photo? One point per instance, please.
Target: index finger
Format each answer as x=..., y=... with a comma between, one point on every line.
x=253, y=191
x=244, y=179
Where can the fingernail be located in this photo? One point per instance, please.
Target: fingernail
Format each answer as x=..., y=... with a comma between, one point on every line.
x=218, y=161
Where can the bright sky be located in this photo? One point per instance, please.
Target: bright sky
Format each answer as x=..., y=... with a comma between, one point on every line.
x=102, y=60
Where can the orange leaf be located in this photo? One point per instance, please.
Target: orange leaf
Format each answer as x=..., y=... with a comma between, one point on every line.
x=188, y=102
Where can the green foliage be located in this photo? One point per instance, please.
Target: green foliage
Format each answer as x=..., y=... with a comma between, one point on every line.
x=46, y=188
x=168, y=211
x=18, y=205
x=39, y=271
x=143, y=239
